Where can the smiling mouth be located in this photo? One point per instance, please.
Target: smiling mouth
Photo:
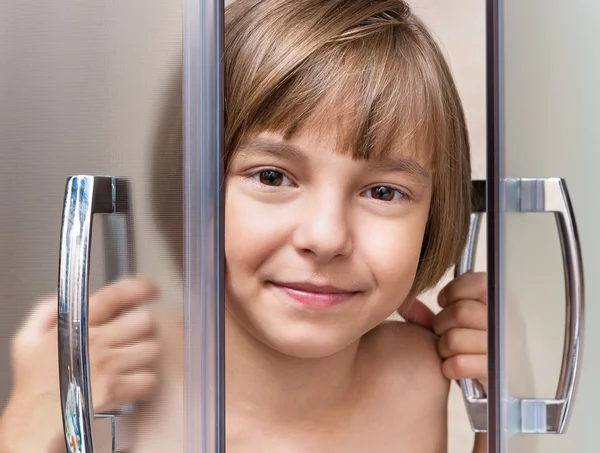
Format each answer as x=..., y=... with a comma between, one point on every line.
x=319, y=296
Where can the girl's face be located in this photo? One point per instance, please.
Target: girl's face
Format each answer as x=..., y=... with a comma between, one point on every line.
x=320, y=248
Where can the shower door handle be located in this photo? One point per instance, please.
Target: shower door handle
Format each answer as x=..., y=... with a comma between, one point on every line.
x=537, y=416
x=550, y=195
x=473, y=392
x=84, y=197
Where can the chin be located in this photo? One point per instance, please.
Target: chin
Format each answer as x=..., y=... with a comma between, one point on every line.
x=306, y=342
x=302, y=347
x=296, y=338
x=294, y=331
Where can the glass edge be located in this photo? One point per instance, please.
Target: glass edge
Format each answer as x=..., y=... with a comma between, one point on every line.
x=203, y=128
x=495, y=175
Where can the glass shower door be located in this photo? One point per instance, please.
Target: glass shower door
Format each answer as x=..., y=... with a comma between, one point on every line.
x=96, y=127
x=544, y=65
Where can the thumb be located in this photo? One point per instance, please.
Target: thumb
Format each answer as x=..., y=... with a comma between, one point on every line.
x=43, y=317
x=416, y=312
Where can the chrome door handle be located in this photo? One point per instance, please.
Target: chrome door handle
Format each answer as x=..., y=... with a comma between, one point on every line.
x=84, y=197
x=473, y=392
x=539, y=195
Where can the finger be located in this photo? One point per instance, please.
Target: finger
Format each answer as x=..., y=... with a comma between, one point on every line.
x=469, y=314
x=416, y=312
x=472, y=285
x=111, y=300
x=465, y=366
x=125, y=389
x=462, y=341
x=131, y=326
x=43, y=317
x=137, y=386
x=136, y=357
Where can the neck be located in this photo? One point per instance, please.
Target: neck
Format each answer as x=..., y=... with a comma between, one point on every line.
x=266, y=385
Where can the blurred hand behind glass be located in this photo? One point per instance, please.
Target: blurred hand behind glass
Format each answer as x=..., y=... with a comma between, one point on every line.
x=124, y=358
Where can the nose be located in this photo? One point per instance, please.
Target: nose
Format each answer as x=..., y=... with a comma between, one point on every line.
x=323, y=230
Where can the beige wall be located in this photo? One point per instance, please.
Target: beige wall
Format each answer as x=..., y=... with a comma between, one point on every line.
x=81, y=87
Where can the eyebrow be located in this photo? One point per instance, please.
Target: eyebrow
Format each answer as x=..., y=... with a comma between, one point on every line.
x=288, y=151
x=279, y=149
x=402, y=164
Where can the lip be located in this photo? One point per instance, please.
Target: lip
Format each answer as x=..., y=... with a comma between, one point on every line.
x=313, y=295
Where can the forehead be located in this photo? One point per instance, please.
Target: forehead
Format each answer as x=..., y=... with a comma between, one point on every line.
x=384, y=142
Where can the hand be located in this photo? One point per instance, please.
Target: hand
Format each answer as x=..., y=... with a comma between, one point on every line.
x=461, y=326
x=124, y=353
x=124, y=347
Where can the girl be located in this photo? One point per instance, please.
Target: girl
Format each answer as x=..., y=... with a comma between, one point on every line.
x=347, y=195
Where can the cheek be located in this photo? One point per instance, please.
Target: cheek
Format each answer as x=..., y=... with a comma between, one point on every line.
x=392, y=251
x=253, y=231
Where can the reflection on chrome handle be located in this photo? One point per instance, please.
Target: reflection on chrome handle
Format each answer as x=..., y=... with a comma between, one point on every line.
x=473, y=392
x=539, y=416
x=84, y=197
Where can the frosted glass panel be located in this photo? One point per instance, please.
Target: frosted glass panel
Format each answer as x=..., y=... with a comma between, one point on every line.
x=550, y=96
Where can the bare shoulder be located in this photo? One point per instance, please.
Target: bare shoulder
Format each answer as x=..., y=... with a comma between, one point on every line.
x=409, y=351
x=402, y=361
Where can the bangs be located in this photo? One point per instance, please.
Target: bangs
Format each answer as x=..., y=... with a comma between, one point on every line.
x=372, y=89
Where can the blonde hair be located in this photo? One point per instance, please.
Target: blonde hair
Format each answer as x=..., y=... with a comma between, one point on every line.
x=370, y=64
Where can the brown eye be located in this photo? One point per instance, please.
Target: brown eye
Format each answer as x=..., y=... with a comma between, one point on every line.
x=270, y=177
x=385, y=193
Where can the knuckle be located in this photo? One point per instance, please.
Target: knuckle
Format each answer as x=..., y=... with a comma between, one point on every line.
x=460, y=364
x=480, y=367
x=94, y=337
x=102, y=360
x=452, y=340
x=140, y=386
x=462, y=313
x=454, y=368
x=145, y=322
x=481, y=285
x=152, y=352
x=148, y=384
x=480, y=313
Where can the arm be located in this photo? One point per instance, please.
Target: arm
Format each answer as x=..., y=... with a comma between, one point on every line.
x=31, y=424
